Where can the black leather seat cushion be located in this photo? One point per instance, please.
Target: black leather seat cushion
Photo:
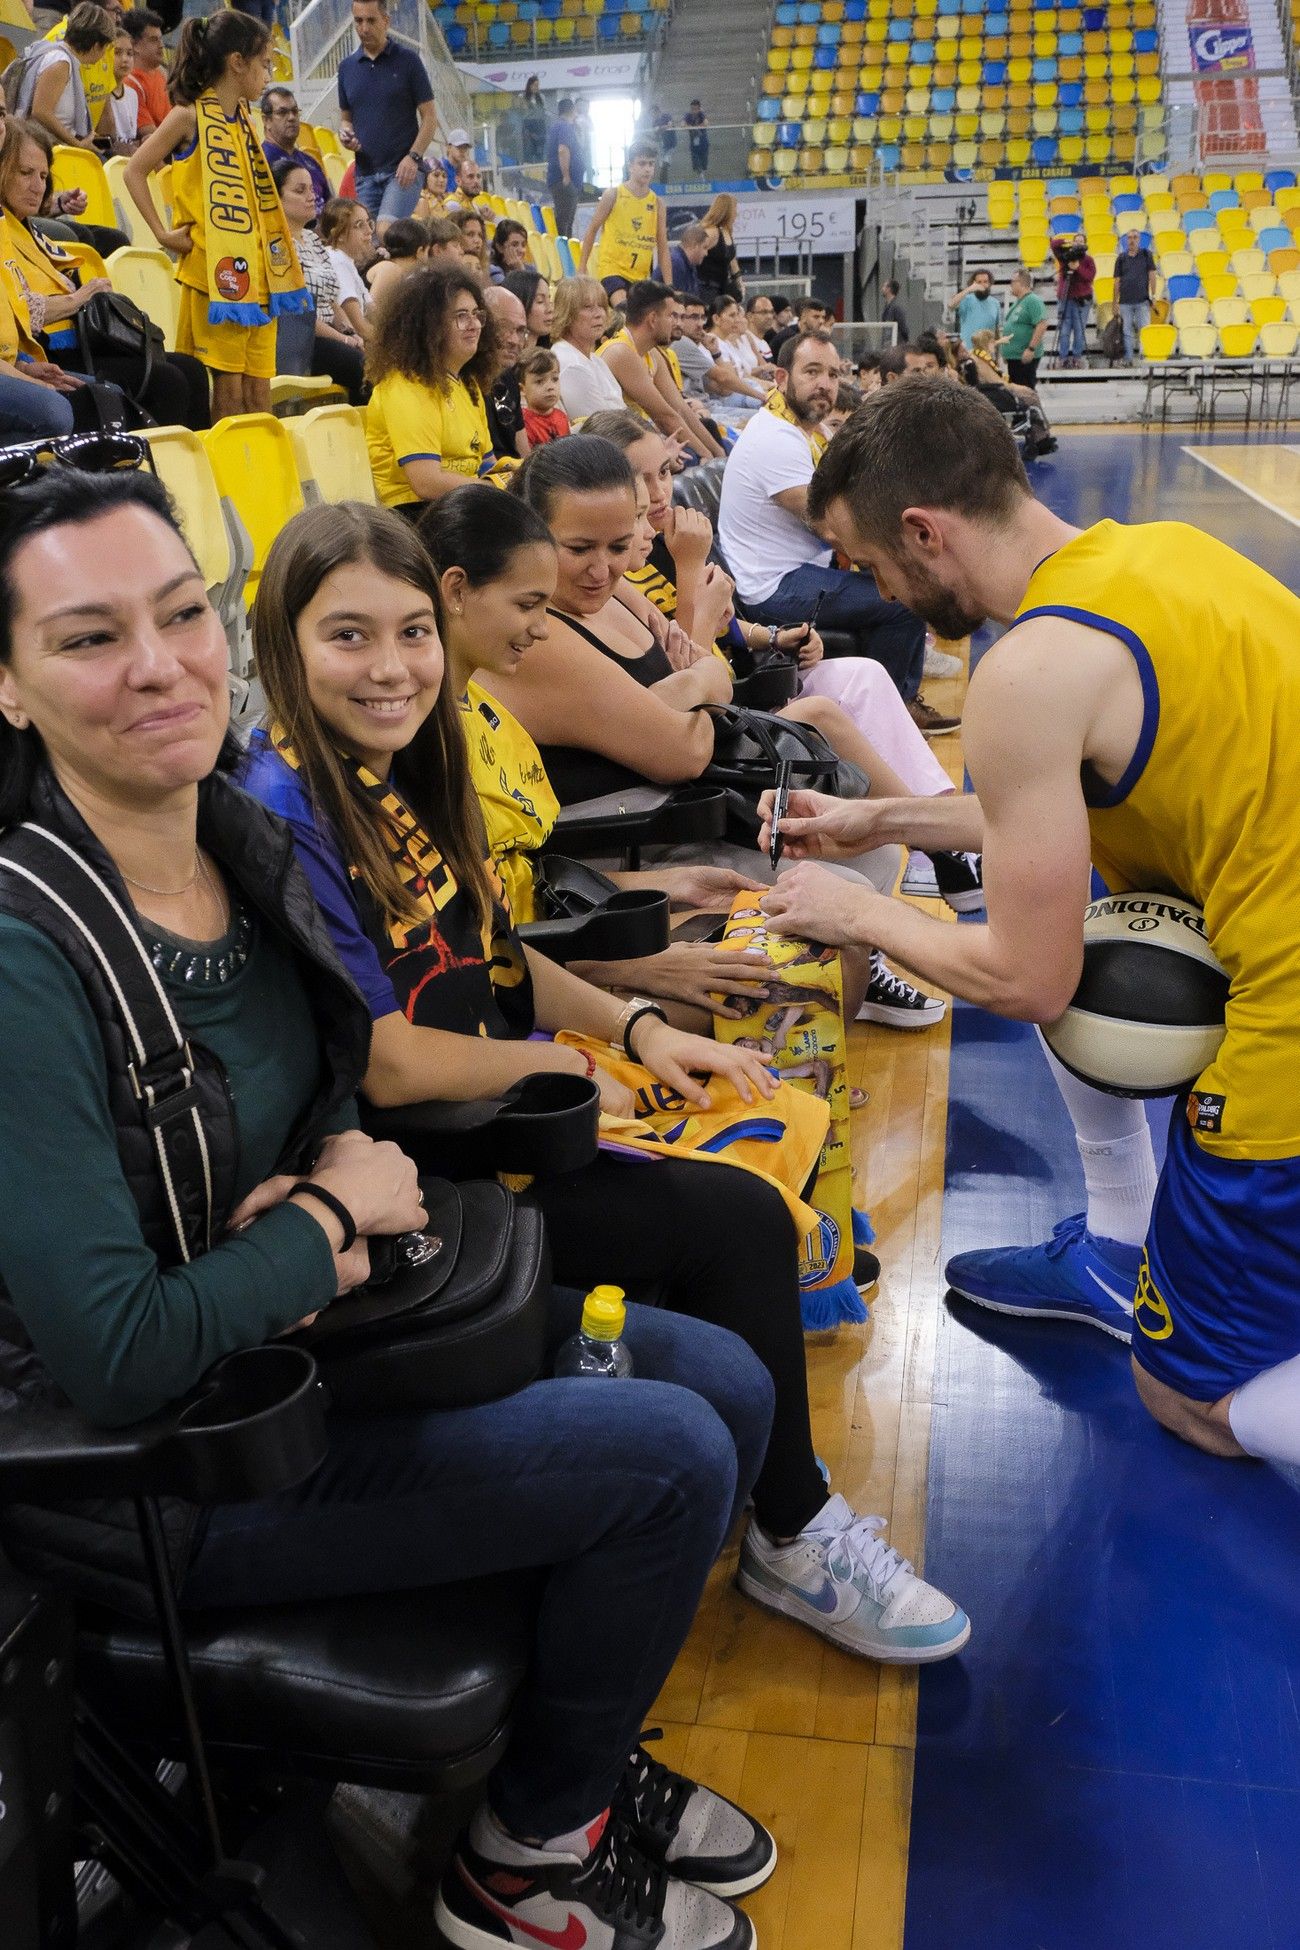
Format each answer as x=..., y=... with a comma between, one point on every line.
x=393, y=1688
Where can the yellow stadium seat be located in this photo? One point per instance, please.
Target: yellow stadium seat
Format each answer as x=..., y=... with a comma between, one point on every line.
x=1103, y=290
x=1267, y=311
x=1288, y=199
x=1255, y=282
x=183, y=467
x=81, y=169
x=1228, y=311
x=1289, y=287
x=149, y=278
x=1249, y=179
x=335, y=170
x=1198, y=341
x=1248, y=263
x=1212, y=264
x=87, y=259
x=1187, y=312
x=1278, y=341
x=1219, y=284
x=257, y=477
x=1162, y=223
x=1238, y=341
x=1158, y=342
x=329, y=447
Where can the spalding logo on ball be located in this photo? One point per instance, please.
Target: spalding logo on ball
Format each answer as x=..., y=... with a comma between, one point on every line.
x=1148, y=1014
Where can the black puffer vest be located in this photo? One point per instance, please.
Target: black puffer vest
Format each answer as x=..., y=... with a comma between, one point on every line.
x=94, y=1548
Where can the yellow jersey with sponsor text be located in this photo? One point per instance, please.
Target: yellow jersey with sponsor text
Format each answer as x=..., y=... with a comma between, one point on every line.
x=629, y=235
x=1209, y=805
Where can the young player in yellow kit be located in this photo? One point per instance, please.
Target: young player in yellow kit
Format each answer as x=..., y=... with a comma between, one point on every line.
x=238, y=270
x=1143, y=713
x=633, y=232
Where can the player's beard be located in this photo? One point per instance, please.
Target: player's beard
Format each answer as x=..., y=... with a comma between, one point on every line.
x=927, y=598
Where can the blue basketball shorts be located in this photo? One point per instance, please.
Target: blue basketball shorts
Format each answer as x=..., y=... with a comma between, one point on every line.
x=1218, y=1296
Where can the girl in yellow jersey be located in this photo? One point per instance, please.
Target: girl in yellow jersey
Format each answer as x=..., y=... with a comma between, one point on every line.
x=238, y=270
x=430, y=361
x=629, y=221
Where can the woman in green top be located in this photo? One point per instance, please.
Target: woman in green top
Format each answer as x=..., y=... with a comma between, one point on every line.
x=113, y=712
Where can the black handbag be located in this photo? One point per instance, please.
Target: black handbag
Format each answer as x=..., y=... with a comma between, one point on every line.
x=748, y=746
x=451, y=1316
x=111, y=326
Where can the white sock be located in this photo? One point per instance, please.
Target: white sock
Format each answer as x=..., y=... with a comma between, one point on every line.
x=1264, y=1413
x=1119, y=1165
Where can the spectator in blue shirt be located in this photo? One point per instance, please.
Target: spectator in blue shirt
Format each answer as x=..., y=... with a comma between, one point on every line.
x=565, y=166
x=386, y=115
x=686, y=256
x=281, y=122
x=976, y=308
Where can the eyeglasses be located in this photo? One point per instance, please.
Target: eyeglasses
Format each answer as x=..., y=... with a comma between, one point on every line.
x=467, y=318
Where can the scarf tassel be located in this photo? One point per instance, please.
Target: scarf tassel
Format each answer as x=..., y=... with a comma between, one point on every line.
x=284, y=303
x=222, y=312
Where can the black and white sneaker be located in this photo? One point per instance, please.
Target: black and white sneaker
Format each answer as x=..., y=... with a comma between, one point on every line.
x=894, y=1002
x=960, y=879
x=596, y=1889
x=696, y=1835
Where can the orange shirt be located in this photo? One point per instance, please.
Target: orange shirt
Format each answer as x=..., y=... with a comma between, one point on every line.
x=155, y=102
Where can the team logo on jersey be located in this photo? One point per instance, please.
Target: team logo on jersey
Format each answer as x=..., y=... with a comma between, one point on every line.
x=820, y=1251
x=1205, y=1110
x=1150, y=1308
x=231, y=278
x=278, y=253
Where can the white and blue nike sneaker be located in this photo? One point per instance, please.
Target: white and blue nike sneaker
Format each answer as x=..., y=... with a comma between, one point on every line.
x=840, y=1578
x=1074, y=1275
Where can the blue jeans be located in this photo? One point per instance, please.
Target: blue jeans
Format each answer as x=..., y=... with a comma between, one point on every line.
x=384, y=197
x=1074, y=318
x=1134, y=319
x=886, y=632
x=29, y=410
x=622, y=1491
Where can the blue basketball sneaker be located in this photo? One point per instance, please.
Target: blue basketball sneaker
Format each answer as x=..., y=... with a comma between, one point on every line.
x=1072, y=1276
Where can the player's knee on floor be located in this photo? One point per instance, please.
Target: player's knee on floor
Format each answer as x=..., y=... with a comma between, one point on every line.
x=1204, y=1425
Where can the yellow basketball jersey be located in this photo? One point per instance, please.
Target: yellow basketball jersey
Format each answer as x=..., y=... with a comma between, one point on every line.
x=188, y=207
x=1209, y=806
x=627, y=242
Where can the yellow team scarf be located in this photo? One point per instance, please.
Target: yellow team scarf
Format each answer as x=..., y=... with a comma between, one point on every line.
x=242, y=215
x=776, y=404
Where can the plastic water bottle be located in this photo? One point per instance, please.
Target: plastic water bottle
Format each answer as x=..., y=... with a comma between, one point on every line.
x=597, y=1347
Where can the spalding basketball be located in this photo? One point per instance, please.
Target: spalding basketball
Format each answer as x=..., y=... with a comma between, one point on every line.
x=1148, y=1013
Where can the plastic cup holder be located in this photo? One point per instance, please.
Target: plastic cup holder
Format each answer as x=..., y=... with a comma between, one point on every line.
x=245, y=1387
x=550, y=1093
x=257, y=1425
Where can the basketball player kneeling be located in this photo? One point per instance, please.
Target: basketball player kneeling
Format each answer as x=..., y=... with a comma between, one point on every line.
x=1131, y=718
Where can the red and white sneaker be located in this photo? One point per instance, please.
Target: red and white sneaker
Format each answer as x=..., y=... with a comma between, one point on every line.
x=592, y=1890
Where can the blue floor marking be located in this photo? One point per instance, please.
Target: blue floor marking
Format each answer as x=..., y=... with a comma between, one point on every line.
x=1114, y=1761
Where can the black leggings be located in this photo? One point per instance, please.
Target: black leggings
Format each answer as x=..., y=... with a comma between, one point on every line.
x=177, y=393
x=344, y=364
x=715, y=1243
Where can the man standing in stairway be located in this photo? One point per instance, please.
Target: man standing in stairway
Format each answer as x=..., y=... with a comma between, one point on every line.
x=1135, y=287
x=564, y=166
x=386, y=116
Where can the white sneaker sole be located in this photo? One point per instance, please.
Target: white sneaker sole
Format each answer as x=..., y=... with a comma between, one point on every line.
x=885, y=1655
x=938, y=731
x=730, y=1892
x=971, y=903
x=1080, y=1318
x=901, y=1018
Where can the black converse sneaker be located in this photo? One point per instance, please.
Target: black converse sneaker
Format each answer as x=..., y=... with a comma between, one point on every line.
x=894, y=1002
x=695, y=1834
x=960, y=879
x=595, y=1889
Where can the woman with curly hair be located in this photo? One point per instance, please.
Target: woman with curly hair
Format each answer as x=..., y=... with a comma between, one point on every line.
x=431, y=361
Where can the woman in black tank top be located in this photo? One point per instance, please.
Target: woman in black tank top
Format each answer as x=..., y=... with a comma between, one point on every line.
x=599, y=695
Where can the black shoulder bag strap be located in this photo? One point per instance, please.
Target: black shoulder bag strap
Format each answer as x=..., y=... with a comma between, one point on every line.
x=160, y=1066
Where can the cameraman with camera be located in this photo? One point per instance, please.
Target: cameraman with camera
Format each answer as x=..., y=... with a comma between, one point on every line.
x=1077, y=270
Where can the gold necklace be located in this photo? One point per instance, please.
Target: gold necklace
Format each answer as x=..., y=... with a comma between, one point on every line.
x=164, y=893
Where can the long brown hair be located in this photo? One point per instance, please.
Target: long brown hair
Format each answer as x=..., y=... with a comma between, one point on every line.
x=432, y=774
x=206, y=45
x=721, y=213
x=410, y=338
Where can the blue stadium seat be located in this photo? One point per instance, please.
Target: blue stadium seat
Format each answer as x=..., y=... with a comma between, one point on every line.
x=1044, y=69
x=1094, y=20
x=1145, y=40
x=996, y=25
x=1071, y=121
x=1044, y=151
x=1276, y=239
x=828, y=34
x=995, y=74
x=1071, y=44
x=770, y=110
x=1183, y=287
x=1121, y=205
x=445, y=17
x=789, y=135
x=809, y=15
x=1279, y=179
x=900, y=30
x=1065, y=186
x=865, y=104
x=457, y=39
x=825, y=59
x=1071, y=94
x=786, y=15
x=1224, y=200
x=972, y=6
x=499, y=34
x=855, y=9
x=949, y=7
x=889, y=155
x=1044, y=6
x=923, y=54
x=943, y=101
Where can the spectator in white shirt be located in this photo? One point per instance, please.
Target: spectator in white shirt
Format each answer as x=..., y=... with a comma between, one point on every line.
x=581, y=318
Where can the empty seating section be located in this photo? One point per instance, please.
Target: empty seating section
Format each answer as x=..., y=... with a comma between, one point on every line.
x=924, y=86
x=476, y=29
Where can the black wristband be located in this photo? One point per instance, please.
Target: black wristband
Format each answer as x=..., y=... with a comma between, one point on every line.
x=646, y=1009
x=331, y=1204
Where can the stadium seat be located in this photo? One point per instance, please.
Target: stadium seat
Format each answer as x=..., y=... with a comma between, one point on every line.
x=1198, y=342
x=1279, y=341
x=181, y=463
x=81, y=169
x=1183, y=287
x=148, y=277
x=1226, y=312
x=1257, y=284
x=1238, y=341
x=1267, y=311
x=256, y=474
x=329, y=446
x=1158, y=342
x=1248, y=263
x=1218, y=284
x=1190, y=311
x=1282, y=262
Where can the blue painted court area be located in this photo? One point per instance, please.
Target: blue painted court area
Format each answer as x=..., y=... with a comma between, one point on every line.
x=1114, y=1763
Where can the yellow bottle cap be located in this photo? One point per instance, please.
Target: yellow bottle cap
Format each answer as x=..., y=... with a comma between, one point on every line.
x=604, y=1313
